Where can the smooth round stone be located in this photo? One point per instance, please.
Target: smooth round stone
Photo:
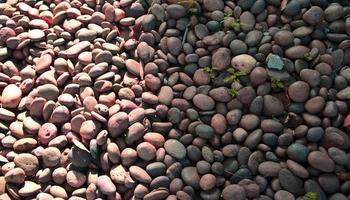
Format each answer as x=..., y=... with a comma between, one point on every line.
x=312, y=77
x=299, y=91
x=146, y=151
x=333, y=12
x=289, y=181
x=176, y=11
x=269, y=169
x=118, y=174
x=48, y=91
x=175, y=148
x=249, y=121
x=58, y=191
x=207, y=182
x=16, y=176
x=314, y=15
x=233, y=191
x=148, y=22
x=203, y=102
x=329, y=183
x=315, y=105
x=133, y=66
x=174, y=46
x=51, y=156
x=315, y=134
x=60, y=115
x=272, y=106
x=75, y=179
x=36, y=35
x=253, y=38
x=213, y=5
x=297, y=152
x=118, y=123
x=238, y=47
x=221, y=59
x=244, y=63
x=283, y=195
x=190, y=176
x=156, y=169
x=30, y=188
x=204, y=131
x=165, y=95
x=105, y=185
x=28, y=162
x=140, y=174
x=247, y=21
x=296, y=52
x=11, y=96
x=213, y=26
x=321, y=161
x=339, y=156
x=297, y=169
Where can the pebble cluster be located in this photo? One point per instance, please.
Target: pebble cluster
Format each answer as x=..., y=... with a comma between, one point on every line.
x=174, y=99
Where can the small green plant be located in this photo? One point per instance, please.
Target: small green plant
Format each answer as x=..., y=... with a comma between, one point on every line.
x=310, y=196
x=234, y=75
x=276, y=83
x=210, y=71
x=191, y=5
x=307, y=57
x=235, y=24
x=233, y=92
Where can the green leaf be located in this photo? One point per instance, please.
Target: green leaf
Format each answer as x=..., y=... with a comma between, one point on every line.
x=310, y=196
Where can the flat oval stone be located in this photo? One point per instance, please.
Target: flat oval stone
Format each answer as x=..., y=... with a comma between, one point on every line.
x=30, y=188
x=321, y=161
x=244, y=63
x=28, y=162
x=175, y=148
x=139, y=174
x=11, y=96
x=203, y=102
x=190, y=176
x=299, y=91
x=118, y=123
x=105, y=185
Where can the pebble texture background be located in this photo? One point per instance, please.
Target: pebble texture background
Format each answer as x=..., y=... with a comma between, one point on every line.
x=174, y=99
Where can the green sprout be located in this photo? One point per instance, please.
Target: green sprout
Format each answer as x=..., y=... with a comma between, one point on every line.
x=190, y=4
x=348, y=97
x=234, y=75
x=235, y=25
x=276, y=83
x=310, y=196
x=307, y=57
x=210, y=71
x=233, y=92
x=227, y=15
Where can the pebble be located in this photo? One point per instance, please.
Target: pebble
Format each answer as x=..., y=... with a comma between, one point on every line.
x=244, y=63
x=299, y=91
x=233, y=191
x=221, y=59
x=175, y=148
x=314, y=15
x=11, y=96
x=156, y=74
x=321, y=161
x=203, y=102
x=28, y=162
x=298, y=152
x=118, y=123
x=30, y=188
x=106, y=186
x=139, y=174
x=190, y=177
